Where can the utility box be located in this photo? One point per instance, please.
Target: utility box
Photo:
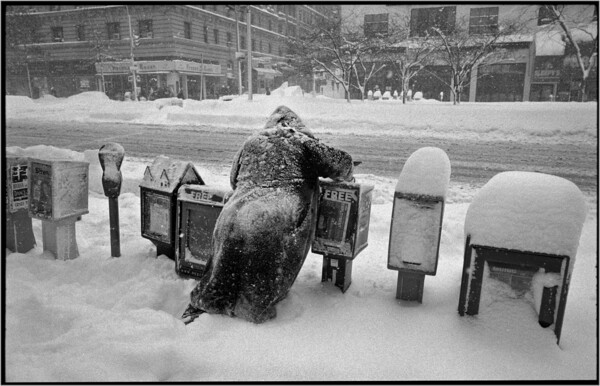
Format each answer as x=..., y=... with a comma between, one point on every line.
x=525, y=228
x=416, y=227
x=58, y=196
x=158, y=195
x=19, y=231
x=342, y=229
x=198, y=208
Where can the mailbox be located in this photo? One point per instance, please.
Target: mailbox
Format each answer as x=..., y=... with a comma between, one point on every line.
x=342, y=229
x=158, y=195
x=417, y=216
x=525, y=228
x=198, y=207
x=58, y=196
x=19, y=231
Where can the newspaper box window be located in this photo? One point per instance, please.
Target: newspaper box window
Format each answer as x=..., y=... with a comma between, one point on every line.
x=417, y=220
x=342, y=229
x=19, y=231
x=523, y=229
x=198, y=208
x=158, y=193
x=58, y=196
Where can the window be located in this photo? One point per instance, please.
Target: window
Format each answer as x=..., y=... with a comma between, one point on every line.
x=483, y=20
x=270, y=25
x=187, y=30
x=422, y=20
x=145, y=29
x=242, y=42
x=243, y=16
x=229, y=65
x=253, y=44
x=229, y=38
x=114, y=31
x=545, y=15
x=80, y=32
x=269, y=47
x=57, y=34
x=280, y=51
x=205, y=34
x=260, y=45
x=216, y=35
x=280, y=28
x=376, y=24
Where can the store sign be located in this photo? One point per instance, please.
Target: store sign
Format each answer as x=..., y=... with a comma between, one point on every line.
x=546, y=75
x=150, y=67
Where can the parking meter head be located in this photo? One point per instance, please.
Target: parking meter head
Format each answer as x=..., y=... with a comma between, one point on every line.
x=111, y=157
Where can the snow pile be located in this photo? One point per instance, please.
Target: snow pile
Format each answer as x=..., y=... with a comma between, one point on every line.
x=426, y=172
x=103, y=319
x=287, y=91
x=528, y=211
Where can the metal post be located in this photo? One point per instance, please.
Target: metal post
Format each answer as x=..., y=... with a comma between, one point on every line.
x=249, y=46
x=202, y=79
x=239, y=62
x=133, y=72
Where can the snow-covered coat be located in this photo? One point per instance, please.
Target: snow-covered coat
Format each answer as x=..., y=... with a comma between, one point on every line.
x=264, y=231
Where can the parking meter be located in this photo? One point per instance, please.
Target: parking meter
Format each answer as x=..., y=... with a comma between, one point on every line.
x=417, y=220
x=19, y=231
x=198, y=208
x=111, y=157
x=158, y=195
x=342, y=230
x=58, y=196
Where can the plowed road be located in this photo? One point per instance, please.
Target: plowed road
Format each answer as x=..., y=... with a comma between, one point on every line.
x=473, y=161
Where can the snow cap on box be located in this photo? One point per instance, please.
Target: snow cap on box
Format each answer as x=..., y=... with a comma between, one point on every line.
x=528, y=211
x=426, y=172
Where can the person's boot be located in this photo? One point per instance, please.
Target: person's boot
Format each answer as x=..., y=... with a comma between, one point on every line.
x=190, y=314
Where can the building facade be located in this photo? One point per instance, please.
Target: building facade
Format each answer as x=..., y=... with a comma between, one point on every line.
x=536, y=64
x=164, y=49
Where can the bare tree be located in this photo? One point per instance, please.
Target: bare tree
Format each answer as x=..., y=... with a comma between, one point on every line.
x=21, y=38
x=464, y=50
x=581, y=33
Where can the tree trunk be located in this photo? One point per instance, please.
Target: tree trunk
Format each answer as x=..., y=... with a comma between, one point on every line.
x=582, y=90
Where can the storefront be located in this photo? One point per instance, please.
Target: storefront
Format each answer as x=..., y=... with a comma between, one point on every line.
x=501, y=82
x=160, y=79
x=265, y=77
x=546, y=77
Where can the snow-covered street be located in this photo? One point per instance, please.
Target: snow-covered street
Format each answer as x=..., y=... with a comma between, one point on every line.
x=102, y=319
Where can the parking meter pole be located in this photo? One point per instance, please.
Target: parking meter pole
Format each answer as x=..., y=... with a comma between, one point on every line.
x=111, y=157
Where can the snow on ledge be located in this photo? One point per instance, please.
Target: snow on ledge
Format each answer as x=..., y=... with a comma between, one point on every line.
x=527, y=211
x=426, y=172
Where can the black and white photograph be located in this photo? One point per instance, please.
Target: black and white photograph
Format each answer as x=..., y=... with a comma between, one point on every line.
x=341, y=192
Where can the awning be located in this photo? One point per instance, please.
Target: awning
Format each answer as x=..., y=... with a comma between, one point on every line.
x=267, y=72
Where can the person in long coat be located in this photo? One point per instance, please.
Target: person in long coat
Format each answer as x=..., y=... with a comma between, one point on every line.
x=264, y=231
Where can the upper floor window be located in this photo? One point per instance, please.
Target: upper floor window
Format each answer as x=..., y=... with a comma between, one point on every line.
x=205, y=34
x=376, y=24
x=229, y=38
x=280, y=28
x=545, y=15
x=483, y=20
x=80, y=32
x=216, y=35
x=187, y=30
x=242, y=42
x=423, y=20
x=57, y=34
x=269, y=47
x=253, y=44
x=114, y=31
x=145, y=29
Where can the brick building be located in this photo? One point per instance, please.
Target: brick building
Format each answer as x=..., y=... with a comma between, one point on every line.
x=187, y=49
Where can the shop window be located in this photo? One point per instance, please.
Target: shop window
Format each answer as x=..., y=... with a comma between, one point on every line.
x=187, y=30
x=205, y=34
x=57, y=34
x=80, y=32
x=145, y=29
x=545, y=15
x=216, y=35
x=114, y=31
x=423, y=20
x=376, y=24
x=483, y=20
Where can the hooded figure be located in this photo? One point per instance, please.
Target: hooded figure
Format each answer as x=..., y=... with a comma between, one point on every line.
x=264, y=231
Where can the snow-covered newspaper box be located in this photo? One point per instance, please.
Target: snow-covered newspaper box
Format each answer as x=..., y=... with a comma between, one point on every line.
x=19, y=231
x=417, y=215
x=342, y=230
x=523, y=228
x=198, y=207
x=158, y=195
x=58, y=196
